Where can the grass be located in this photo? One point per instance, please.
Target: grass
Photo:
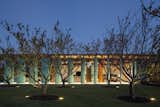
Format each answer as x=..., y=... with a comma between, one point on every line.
x=80, y=96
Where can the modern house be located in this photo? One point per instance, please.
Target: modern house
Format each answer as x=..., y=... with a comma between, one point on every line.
x=74, y=68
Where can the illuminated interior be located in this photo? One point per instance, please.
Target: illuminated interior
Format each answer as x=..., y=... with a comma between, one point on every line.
x=77, y=69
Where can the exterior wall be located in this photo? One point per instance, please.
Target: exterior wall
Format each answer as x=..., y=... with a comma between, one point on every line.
x=20, y=77
x=8, y=72
x=77, y=71
x=100, y=73
x=70, y=71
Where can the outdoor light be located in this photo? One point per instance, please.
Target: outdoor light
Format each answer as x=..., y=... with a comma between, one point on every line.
x=117, y=86
x=17, y=86
x=152, y=99
x=73, y=87
x=26, y=96
x=61, y=98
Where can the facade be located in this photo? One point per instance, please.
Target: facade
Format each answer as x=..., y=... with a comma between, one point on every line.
x=74, y=69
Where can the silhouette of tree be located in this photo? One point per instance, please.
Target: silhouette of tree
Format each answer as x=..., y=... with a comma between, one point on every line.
x=151, y=7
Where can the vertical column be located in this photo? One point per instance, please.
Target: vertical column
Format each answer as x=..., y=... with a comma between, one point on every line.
x=92, y=73
x=95, y=70
x=135, y=69
x=8, y=72
x=36, y=71
x=21, y=71
x=83, y=71
x=30, y=68
x=121, y=70
x=12, y=72
x=132, y=69
x=45, y=73
x=58, y=71
x=70, y=71
x=33, y=73
x=108, y=72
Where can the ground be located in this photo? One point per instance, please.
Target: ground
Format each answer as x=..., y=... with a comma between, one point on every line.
x=80, y=96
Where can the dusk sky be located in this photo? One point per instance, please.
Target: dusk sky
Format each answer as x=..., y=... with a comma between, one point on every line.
x=88, y=19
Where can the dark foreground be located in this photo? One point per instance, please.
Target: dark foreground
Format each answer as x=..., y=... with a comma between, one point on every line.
x=77, y=96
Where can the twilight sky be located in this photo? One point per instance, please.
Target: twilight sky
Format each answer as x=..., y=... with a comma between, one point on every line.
x=88, y=19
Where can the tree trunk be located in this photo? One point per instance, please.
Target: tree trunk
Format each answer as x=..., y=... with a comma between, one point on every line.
x=131, y=93
x=8, y=82
x=63, y=83
x=108, y=82
x=44, y=88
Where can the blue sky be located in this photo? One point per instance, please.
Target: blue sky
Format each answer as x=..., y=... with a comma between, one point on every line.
x=88, y=19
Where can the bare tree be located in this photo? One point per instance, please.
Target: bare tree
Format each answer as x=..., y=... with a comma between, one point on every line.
x=93, y=47
x=64, y=44
x=124, y=41
x=31, y=43
x=8, y=61
x=18, y=33
x=134, y=36
x=151, y=7
x=108, y=48
x=121, y=43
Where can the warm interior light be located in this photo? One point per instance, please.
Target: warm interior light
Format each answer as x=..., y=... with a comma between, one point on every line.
x=26, y=96
x=152, y=99
x=61, y=98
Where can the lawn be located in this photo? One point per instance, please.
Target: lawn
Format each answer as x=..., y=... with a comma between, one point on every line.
x=80, y=96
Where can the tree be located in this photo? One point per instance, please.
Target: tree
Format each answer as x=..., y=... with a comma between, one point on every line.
x=133, y=37
x=8, y=61
x=93, y=47
x=125, y=35
x=109, y=44
x=151, y=7
x=18, y=33
x=121, y=42
x=30, y=45
x=63, y=44
x=37, y=44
